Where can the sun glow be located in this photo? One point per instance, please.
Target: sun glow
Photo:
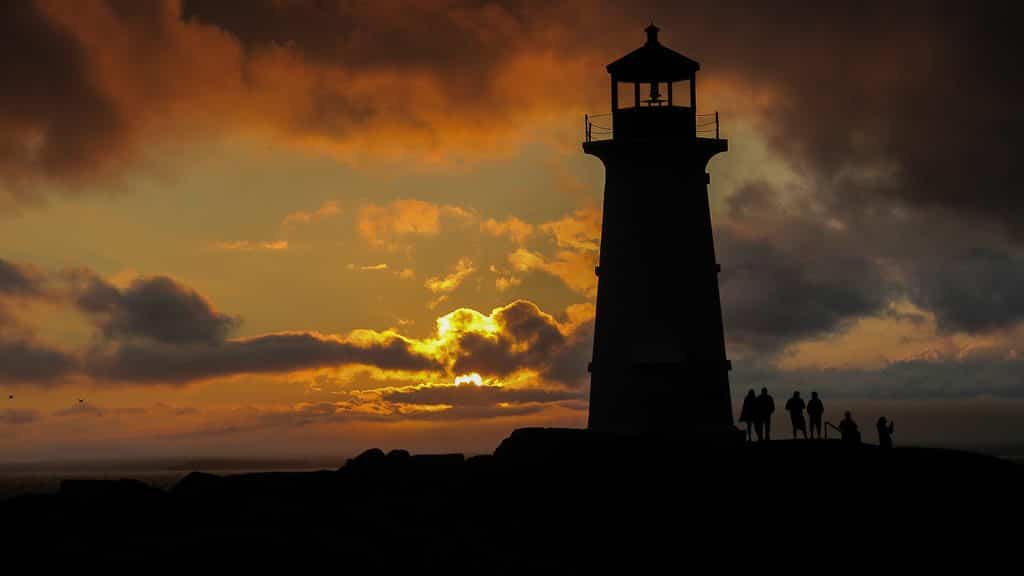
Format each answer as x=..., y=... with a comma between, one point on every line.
x=472, y=378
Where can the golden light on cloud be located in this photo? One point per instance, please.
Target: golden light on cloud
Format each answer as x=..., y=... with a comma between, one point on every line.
x=575, y=269
x=579, y=231
x=442, y=286
x=905, y=333
x=451, y=281
x=247, y=246
x=383, y=226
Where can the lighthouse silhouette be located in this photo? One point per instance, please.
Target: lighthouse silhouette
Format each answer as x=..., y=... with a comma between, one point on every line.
x=659, y=366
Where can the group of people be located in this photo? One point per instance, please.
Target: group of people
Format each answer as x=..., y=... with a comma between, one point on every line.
x=758, y=409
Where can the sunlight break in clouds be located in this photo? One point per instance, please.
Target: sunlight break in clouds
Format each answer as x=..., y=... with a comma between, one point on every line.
x=472, y=378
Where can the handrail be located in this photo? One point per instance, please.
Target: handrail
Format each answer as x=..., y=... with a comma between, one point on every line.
x=705, y=122
x=833, y=426
x=705, y=125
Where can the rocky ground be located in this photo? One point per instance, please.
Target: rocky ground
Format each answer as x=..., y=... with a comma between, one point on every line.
x=548, y=500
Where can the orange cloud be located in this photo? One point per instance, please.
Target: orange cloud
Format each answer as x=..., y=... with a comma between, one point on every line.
x=385, y=226
x=327, y=209
x=442, y=286
x=574, y=269
x=512, y=228
x=577, y=237
x=121, y=76
x=579, y=231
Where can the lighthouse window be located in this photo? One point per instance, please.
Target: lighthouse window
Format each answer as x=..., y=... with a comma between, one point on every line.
x=681, y=94
x=626, y=95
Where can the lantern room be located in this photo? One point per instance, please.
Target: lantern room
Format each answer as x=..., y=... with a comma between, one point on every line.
x=653, y=96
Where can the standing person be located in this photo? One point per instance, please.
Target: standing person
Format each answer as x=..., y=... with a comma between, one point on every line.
x=848, y=430
x=815, y=409
x=795, y=406
x=749, y=414
x=765, y=409
x=885, y=430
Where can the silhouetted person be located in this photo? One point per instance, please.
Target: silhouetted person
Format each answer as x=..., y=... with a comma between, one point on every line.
x=765, y=407
x=885, y=430
x=815, y=409
x=848, y=430
x=749, y=414
x=795, y=406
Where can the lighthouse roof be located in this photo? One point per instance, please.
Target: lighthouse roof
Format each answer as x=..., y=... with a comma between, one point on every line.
x=653, y=62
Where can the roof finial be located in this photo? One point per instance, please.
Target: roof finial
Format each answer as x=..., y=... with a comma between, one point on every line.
x=652, y=33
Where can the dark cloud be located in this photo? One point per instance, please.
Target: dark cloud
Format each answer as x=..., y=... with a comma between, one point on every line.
x=803, y=280
x=26, y=362
x=464, y=38
x=771, y=297
x=18, y=280
x=273, y=353
x=809, y=269
x=971, y=289
x=53, y=117
x=156, y=308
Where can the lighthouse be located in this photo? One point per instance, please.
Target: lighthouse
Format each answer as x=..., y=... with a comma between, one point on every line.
x=659, y=366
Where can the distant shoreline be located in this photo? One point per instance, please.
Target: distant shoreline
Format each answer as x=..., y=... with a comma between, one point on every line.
x=325, y=462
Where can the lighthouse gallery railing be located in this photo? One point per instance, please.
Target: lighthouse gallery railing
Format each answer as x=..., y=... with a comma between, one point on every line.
x=601, y=127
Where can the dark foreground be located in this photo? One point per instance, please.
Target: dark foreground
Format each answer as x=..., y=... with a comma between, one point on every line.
x=549, y=500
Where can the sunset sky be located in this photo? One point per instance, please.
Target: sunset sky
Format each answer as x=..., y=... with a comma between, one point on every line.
x=309, y=227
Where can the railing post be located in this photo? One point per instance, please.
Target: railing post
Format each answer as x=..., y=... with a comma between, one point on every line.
x=586, y=125
x=716, y=125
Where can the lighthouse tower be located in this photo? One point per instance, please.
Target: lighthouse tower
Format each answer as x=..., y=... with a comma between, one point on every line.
x=659, y=365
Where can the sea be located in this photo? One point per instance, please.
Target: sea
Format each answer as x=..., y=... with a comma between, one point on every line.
x=18, y=478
